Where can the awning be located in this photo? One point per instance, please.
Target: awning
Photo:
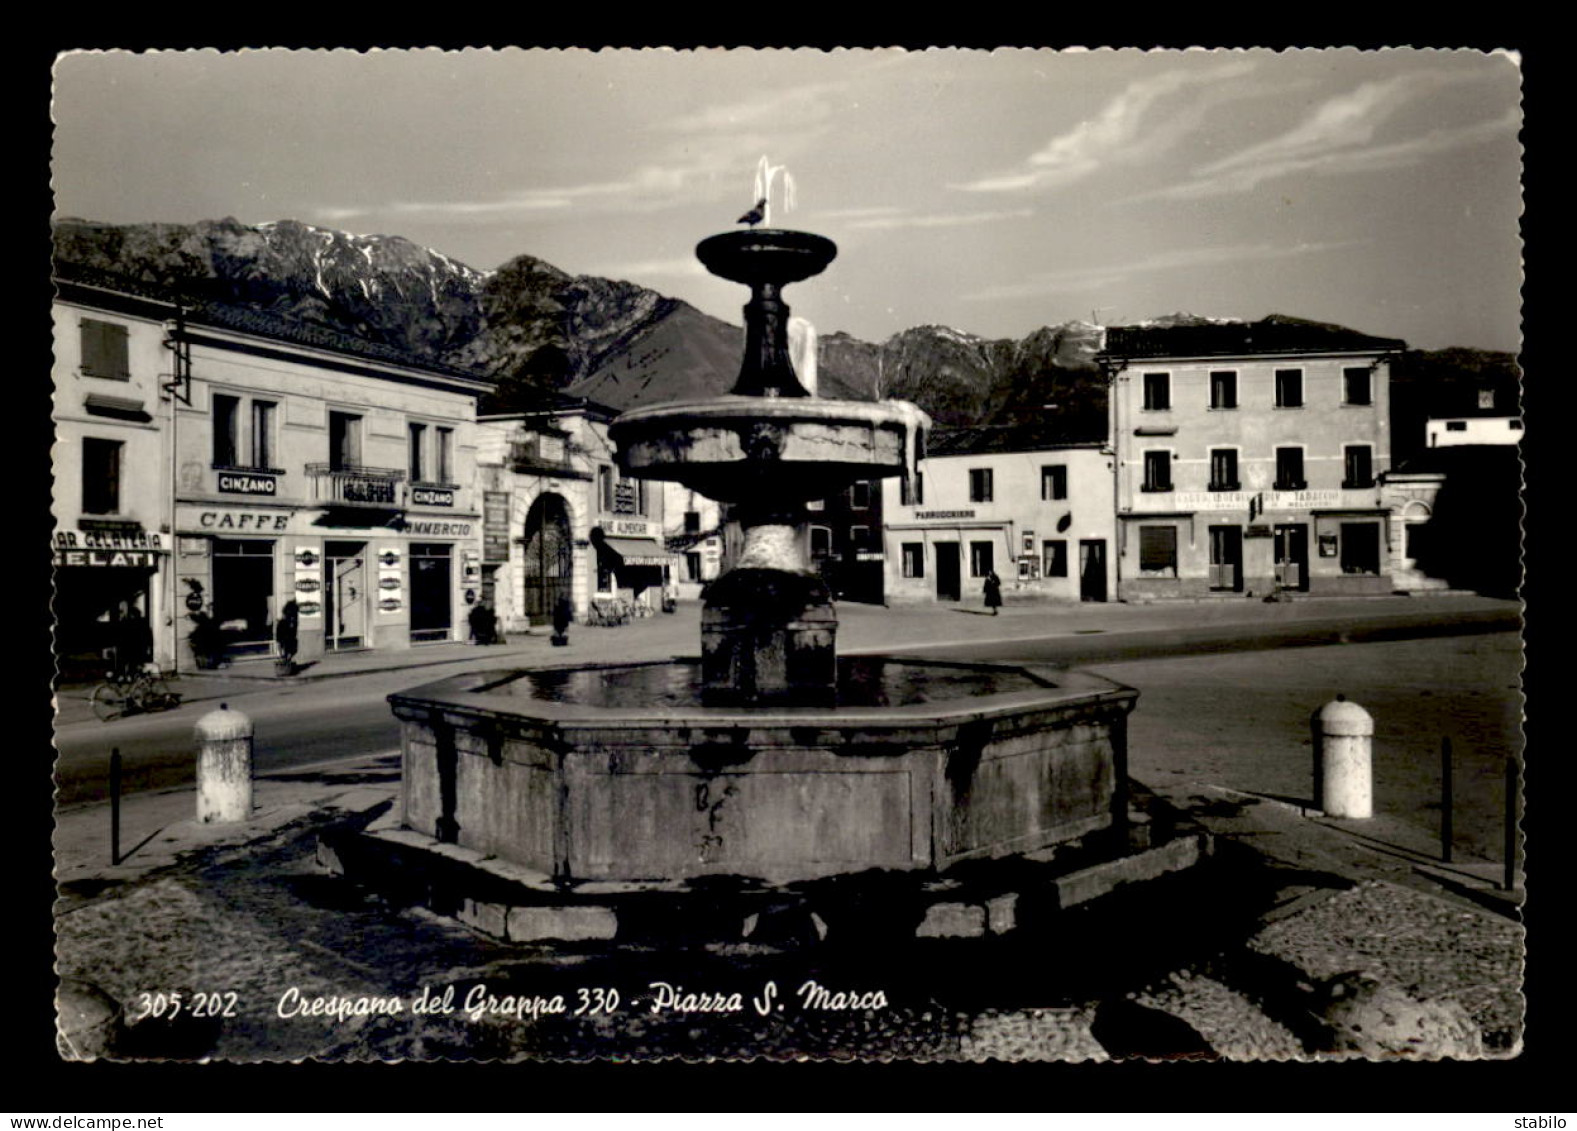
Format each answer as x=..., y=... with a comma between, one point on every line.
x=634, y=552
x=121, y=408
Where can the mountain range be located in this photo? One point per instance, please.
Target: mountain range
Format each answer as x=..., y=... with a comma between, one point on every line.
x=530, y=327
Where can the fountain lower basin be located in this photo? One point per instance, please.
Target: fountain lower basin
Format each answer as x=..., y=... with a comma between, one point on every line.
x=620, y=773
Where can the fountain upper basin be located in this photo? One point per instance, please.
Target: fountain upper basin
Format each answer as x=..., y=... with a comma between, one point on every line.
x=733, y=448
x=766, y=255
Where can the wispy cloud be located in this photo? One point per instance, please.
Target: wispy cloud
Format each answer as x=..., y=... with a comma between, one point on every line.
x=679, y=267
x=939, y=220
x=1148, y=116
x=1083, y=279
x=1340, y=136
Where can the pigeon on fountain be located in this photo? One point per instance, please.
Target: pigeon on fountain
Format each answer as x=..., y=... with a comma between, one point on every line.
x=755, y=215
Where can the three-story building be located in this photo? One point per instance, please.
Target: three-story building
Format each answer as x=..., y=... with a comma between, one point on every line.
x=1248, y=458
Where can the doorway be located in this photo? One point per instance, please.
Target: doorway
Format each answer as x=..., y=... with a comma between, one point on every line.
x=548, y=562
x=1292, y=556
x=1092, y=569
x=345, y=596
x=949, y=583
x=1226, y=558
x=432, y=574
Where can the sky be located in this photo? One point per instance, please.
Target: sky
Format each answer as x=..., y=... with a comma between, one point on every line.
x=993, y=192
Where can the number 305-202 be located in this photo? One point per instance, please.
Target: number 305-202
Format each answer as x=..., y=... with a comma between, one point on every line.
x=168, y=1006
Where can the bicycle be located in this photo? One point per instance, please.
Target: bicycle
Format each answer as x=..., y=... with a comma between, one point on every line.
x=133, y=694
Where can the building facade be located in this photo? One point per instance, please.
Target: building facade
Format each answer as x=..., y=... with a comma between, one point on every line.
x=562, y=522
x=693, y=534
x=1041, y=519
x=112, y=496
x=1249, y=458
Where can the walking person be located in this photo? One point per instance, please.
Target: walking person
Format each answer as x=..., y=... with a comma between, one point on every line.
x=993, y=590
x=286, y=635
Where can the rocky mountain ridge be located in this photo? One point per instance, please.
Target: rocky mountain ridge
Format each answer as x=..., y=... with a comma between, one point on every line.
x=529, y=326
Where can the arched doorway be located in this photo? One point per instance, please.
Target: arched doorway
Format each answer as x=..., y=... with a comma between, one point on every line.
x=549, y=561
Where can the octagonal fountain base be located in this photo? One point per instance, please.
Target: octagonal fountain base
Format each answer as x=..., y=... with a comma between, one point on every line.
x=607, y=802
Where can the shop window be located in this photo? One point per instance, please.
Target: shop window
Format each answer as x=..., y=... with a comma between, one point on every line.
x=1054, y=557
x=344, y=441
x=1158, y=471
x=1358, y=463
x=914, y=559
x=1223, y=469
x=981, y=558
x=605, y=579
x=1289, y=469
x=1360, y=551
x=1223, y=389
x=418, y=442
x=980, y=485
x=1054, y=481
x=101, y=460
x=1289, y=388
x=1157, y=392
x=1357, y=386
x=1158, y=550
x=227, y=425
x=104, y=350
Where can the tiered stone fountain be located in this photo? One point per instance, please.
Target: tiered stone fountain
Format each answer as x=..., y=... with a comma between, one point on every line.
x=563, y=802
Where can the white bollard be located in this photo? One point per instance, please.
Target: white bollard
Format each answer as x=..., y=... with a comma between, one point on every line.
x=224, y=766
x=1344, y=759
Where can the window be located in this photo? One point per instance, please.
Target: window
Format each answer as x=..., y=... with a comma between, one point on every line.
x=104, y=352
x=912, y=495
x=1514, y=425
x=443, y=454
x=1054, y=481
x=1486, y=398
x=1158, y=549
x=1360, y=547
x=1157, y=392
x=1223, y=469
x=859, y=537
x=692, y=522
x=344, y=441
x=914, y=559
x=1356, y=385
x=1289, y=388
x=263, y=433
x=100, y=476
x=1358, y=463
x=1054, y=558
x=418, y=433
x=820, y=542
x=692, y=566
x=860, y=495
x=1223, y=389
x=980, y=485
x=605, y=487
x=227, y=434
x=1289, y=469
x=981, y=559
x=1158, y=471
x=1456, y=426
x=816, y=505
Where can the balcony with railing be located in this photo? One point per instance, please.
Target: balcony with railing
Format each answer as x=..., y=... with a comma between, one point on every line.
x=356, y=485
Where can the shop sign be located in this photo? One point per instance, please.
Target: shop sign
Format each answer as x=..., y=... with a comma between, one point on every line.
x=391, y=582
x=108, y=559
x=356, y=489
x=1328, y=547
x=308, y=585
x=869, y=556
x=306, y=558
x=1302, y=500
x=628, y=528
x=944, y=514
x=432, y=496
x=624, y=497
x=439, y=529
x=308, y=608
x=389, y=604
x=238, y=483
x=495, y=526
x=255, y=522
x=113, y=539
x=389, y=558
x=1210, y=500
